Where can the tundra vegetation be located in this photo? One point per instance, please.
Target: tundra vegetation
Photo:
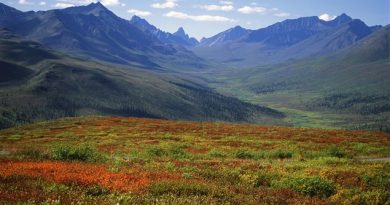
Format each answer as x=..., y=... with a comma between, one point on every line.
x=114, y=160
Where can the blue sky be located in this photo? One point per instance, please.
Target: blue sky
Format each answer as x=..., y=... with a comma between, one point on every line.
x=205, y=18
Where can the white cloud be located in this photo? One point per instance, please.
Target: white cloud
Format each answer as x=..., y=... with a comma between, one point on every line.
x=69, y=3
x=62, y=5
x=77, y=2
x=226, y=2
x=25, y=2
x=326, y=17
x=139, y=12
x=168, y=4
x=250, y=10
x=262, y=10
x=110, y=2
x=87, y=1
x=82, y=1
x=218, y=7
x=282, y=14
x=180, y=15
x=42, y=3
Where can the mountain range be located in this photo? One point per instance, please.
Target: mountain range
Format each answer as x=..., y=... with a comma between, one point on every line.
x=95, y=32
x=179, y=37
x=87, y=61
x=290, y=39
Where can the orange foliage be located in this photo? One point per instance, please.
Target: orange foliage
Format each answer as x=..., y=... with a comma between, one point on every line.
x=217, y=130
x=83, y=174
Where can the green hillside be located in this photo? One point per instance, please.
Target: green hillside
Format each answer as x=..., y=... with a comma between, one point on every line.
x=39, y=84
x=348, y=89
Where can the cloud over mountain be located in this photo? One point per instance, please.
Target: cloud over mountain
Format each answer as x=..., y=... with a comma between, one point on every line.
x=139, y=12
x=168, y=4
x=250, y=10
x=181, y=15
x=213, y=7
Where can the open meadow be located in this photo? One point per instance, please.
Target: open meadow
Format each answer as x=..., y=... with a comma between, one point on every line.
x=115, y=160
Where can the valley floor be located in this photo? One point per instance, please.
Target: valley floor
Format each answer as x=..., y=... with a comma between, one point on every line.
x=300, y=108
x=111, y=160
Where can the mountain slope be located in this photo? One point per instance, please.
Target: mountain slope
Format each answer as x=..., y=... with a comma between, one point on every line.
x=182, y=34
x=93, y=31
x=350, y=87
x=12, y=72
x=342, y=70
x=329, y=41
x=46, y=85
x=228, y=36
x=9, y=15
x=292, y=31
x=290, y=39
x=178, y=38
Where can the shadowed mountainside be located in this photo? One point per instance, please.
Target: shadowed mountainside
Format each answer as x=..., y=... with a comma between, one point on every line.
x=95, y=32
x=40, y=84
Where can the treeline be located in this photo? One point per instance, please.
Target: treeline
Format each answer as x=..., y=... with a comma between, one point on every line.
x=354, y=103
x=382, y=126
x=274, y=87
x=192, y=103
x=216, y=106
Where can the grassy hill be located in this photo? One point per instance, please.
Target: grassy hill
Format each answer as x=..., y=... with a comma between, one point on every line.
x=39, y=84
x=110, y=160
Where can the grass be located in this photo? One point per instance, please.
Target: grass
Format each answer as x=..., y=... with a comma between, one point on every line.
x=109, y=160
x=297, y=105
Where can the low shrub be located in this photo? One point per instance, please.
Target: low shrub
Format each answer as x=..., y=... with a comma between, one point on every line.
x=96, y=191
x=361, y=147
x=357, y=196
x=177, y=152
x=335, y=151
x=169, y=199
x=32, y=154
x=265, y=178
x=379, y=179
x=244, y=154
x=281, y=154
x=313, y=154
x=138, y=156
x=216, y=153
x=227, y=176
x=156, y=152
x=15, y=137
x=179, y=188
x=65, y=135
x=116, y=163
x=79, y=153
x=56, y=188
x=311, y=186
x=259, y=179
x=51, y=202
x=250, y=180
